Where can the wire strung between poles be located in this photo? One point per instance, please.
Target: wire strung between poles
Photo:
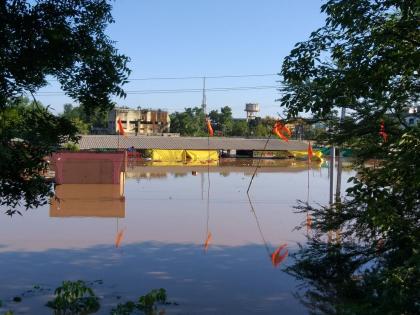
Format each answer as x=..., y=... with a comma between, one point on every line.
x=258, y=164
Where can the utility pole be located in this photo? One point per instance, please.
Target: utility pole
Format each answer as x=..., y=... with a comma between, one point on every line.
x=204, y=101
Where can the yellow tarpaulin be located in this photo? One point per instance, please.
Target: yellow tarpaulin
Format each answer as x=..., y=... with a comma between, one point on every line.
x=202, y=155
x=185, y=156
x=303, y=155
x=168, y=155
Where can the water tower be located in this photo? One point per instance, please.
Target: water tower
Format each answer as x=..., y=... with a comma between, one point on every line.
x=251, y=110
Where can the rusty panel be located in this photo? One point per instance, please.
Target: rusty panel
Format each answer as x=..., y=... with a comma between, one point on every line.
x=88, y=171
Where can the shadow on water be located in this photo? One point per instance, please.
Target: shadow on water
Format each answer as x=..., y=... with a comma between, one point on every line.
x=225, y=280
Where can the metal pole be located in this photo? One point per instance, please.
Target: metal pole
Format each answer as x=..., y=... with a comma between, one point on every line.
x=339, y=164
x=332, y=164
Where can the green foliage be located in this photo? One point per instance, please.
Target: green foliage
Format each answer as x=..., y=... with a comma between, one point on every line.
x=124, y=309
x=63, y=39
x=84, y=120
x=191, y=122
x=28, y=134
x=74, y=297
x=8, y=313
x=71, y=146
x=365, y=60
x=41, y=39
x=146, y=303
x=239, y=128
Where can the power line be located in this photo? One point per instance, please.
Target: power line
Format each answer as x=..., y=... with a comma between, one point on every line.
x=198, y=77
x=178, y=91
x=207, y=77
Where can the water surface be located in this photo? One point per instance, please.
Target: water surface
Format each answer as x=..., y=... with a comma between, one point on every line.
x=161, y=219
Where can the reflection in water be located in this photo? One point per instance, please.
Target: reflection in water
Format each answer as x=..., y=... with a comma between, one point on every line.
x=207, y=242
x=88, y=200
x=208, y=233
x=119, y=237
x=166, y=220
x=277, y=257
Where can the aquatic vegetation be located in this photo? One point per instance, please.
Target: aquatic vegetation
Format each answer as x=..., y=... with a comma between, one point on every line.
x=17, y=299
x=8, y=313
x=146, y=303
x=74, y=297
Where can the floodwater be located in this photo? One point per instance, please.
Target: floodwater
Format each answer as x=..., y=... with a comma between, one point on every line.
x=153, y=232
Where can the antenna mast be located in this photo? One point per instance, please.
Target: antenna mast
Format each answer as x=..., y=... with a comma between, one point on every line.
x=204, y=101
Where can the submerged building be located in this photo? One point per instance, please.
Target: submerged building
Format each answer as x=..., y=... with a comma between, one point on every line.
x=139, y=121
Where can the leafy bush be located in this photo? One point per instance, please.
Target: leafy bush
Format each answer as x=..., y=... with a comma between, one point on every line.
x=71, y=146
x=74, y=297
x=146, y=303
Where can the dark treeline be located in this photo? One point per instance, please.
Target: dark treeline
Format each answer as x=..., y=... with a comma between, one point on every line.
x=191, y=122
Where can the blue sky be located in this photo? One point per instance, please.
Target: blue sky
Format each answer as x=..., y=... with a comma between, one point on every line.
x=185, y=38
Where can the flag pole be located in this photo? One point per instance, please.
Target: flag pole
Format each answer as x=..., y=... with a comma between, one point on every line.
x=258, y=164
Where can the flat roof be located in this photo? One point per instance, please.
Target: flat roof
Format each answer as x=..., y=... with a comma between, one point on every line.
x=188, y=143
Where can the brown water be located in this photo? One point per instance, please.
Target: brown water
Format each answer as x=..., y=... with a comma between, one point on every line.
x=163, y=222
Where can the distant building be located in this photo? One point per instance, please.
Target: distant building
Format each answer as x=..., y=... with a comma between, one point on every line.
x=412, y=116
x=139, y=121
x=251, y=109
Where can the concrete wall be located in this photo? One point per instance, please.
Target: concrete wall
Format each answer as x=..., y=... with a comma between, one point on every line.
x=89, y=167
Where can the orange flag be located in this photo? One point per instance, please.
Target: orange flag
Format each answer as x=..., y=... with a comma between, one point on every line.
x=119, y=238
x=278, y=128
x=209, y=128
x=287, y=130
x=207, y=243
x=120, y=127
x=277, y=257
x=310, y=152
x=382, y=132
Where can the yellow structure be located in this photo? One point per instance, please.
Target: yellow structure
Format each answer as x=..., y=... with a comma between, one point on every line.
x=201, y=155
x=185, y=156
x=303, y=155
x=168, y=155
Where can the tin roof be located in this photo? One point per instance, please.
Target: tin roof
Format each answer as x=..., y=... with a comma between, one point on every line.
x=189, y=143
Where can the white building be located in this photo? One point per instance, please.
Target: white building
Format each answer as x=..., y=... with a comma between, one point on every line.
x=139, y=121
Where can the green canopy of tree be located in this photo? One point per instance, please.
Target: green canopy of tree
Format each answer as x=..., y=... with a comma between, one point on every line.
x=191, y=122
x=83, y=121
x=39, y=40
x=365, y=60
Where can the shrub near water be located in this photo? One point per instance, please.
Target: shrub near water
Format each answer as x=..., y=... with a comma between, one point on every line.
x=74, y=297
x=146, y=303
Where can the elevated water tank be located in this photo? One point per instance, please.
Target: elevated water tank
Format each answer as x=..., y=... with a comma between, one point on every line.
x=251, y=110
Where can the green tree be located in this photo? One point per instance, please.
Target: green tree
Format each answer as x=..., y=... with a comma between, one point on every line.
x=240, y=128
x=226, y=120
x=191, y=122
x=365, y=60
x=83, y=121
x=63, y=39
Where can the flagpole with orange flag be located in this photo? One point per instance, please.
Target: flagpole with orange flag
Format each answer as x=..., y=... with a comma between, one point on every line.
x=277, y=130
x=120, y=131
x=280, y=253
